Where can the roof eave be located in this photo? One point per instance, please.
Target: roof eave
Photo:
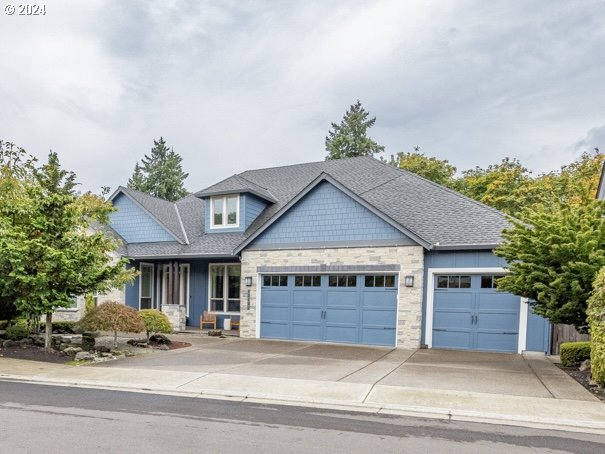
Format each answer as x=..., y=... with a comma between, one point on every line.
x=204, y=194
x=465, y=247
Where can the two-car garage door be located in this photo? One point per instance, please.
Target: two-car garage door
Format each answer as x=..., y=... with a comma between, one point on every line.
x=344, y=308
x=470, y=314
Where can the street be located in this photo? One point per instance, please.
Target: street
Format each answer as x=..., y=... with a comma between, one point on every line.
x=55, y=419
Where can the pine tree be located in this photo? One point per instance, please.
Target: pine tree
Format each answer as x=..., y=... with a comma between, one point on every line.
x=349, y=139
x=160, y=173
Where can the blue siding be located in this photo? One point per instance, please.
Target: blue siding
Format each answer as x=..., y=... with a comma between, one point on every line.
x=538, y=333
x=326, y=214
x=134, y=224
x=131, y=291
x=251, y=206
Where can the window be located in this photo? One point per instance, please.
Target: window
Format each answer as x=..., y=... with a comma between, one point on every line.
x=307, y=281
x=275, y=281
x=74, y=303
x=225, y=281
x=453, y=281
x=146, y=286
x=342, y=280
x=490, y=281
x=225, y=211
x=379, y=280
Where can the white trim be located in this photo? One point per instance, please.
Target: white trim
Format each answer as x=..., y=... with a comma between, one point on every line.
x=178, y=215
x=258, y=293
x=184, y=292
x=430, y=294
x=225, y=289
x=224, y=225
x=397, y=309
x=184, y=296
x=141, y=281
x=523, y=314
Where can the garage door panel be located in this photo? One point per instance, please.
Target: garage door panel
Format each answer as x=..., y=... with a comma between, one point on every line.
x=497, y=341
x=447, y=319
x=498, y=321
x=342, y=298
x=460, y=339
x=382, y=318
x=306, y=331
x=496, y=301
x=275, y=313
x=378, y=336
x=453, y=300
x=276, y=297
x=342, y=316
x=344, y=334
x=273, y=330
x=306, y=314
x=307, y=298
x=379, y=299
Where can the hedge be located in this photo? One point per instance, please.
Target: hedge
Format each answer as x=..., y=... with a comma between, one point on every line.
x=573, y=353
x=596, y=321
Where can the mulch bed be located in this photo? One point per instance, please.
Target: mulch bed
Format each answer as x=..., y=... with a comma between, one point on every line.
x=33, y=353
x=583, y=378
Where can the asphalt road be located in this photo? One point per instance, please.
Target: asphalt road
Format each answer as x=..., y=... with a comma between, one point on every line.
x=55, y=419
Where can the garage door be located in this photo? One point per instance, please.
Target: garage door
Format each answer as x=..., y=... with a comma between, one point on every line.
x=353, y=309
x=470, y=314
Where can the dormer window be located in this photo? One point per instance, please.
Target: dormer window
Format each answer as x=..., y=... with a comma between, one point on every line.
x=225, y=211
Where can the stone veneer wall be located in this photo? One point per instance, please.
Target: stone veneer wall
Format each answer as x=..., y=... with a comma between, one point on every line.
x=409, y=258
x=77, y=313
x=177, y=315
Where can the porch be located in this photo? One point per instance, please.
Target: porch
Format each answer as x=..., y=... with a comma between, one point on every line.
x=184, y=288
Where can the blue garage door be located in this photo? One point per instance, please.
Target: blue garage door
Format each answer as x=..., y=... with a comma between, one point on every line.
x=352, y=309
x=470, y=314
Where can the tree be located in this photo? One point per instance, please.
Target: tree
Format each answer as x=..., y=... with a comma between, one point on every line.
x=49, y=252
x=113, y=316
x=553, y=258
x=160, y=173
x=349, y=139
x=496, y=186
x=439, y=171
x=155, y=322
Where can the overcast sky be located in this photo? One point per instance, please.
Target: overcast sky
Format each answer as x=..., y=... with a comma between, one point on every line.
x=233, y=85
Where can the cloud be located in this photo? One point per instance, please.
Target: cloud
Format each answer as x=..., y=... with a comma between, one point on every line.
x=235, y=85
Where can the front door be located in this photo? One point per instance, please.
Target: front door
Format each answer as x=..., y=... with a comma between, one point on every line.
x=183, y=285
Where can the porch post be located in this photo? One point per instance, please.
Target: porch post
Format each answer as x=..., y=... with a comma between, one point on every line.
x=177, y=283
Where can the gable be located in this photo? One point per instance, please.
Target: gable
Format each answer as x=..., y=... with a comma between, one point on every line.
x=326, y=215
x=134, y=224
x=251, y=207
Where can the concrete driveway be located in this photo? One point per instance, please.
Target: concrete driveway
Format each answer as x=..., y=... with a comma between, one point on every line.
x=476, y=372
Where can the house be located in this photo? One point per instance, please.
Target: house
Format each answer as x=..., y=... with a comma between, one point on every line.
x=347, y=251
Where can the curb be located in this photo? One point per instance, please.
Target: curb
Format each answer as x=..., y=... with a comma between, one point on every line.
x=399, y=410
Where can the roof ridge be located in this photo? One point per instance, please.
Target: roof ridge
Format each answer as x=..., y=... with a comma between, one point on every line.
x=252, y=182
x=304, y=164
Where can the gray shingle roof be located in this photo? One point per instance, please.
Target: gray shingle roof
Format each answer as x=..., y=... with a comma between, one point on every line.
x=236, y=184
x=441, y=217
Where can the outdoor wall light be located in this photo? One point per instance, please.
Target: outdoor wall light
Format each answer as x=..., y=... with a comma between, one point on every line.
x=409, y=281
x=248, y=280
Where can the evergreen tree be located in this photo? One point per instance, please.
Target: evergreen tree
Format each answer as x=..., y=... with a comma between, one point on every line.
x=160, y=173
x=349, y=139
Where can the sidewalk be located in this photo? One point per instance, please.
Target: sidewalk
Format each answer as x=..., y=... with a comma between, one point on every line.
x=550, y=413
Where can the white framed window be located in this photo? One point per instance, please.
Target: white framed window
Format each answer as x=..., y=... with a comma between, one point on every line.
x=146, y=286
x=224, y=211
x=224, y=287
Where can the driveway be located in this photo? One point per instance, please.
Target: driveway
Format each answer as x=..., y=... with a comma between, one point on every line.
x=476, y=372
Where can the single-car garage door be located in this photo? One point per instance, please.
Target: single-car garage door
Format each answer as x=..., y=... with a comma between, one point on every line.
x=470, y=314
x=343, y=308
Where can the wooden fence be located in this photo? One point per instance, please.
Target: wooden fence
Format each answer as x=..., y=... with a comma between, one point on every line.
x=565, y=333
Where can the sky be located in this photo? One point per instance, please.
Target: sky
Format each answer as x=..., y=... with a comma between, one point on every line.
x=236, y=85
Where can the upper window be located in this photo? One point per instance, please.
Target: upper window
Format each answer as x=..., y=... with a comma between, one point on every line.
x=225, y=211
x=449, y=281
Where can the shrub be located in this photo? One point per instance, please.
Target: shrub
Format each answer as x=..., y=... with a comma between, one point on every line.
x=596, y=321
x=63, y=327
x=155, y=322
x=573, y=353
x=3, y=324
x=113, y=316
x=16, y=332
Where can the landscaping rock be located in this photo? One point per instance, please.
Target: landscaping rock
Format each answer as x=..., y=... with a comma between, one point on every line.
x=8, y=343
x=38, y=340
x=72, y=351
x=585, y=365
x=159, y=339
x=84, y=356
x=163, y=347
x=102, y=349
x=88, y=341
x=26, y=341
x=215, y=333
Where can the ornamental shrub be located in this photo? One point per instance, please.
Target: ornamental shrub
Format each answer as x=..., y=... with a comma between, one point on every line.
x=155, y=322
x=16, y=332
x=113, y=316
x=596, y=321
x=573, y=353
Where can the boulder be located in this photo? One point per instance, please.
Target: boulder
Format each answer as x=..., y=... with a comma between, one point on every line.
x=585, y=365
x=215, y=332
x=72, y=351
x=88, y=341
x=38, y=340
x=159, y=339
x=26, y=341
x=84, y=356
x=163, y=347
x=102, y=349
x=8, y=343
